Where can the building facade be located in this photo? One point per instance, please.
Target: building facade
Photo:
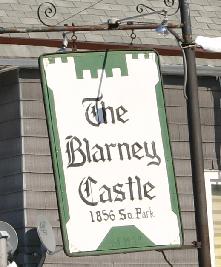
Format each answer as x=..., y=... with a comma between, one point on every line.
x=27, y=187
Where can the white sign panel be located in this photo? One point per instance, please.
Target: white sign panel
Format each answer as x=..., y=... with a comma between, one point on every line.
x=111, y=151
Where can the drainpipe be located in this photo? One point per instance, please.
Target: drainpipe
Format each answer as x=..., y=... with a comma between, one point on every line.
x=195, y=136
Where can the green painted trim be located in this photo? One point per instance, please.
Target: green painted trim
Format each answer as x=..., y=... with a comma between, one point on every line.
x=57, y=156
x=125, y=237
x=122, y=251
x=100, y=61
x=56, y=153
x=167, y=150
x=97, y=61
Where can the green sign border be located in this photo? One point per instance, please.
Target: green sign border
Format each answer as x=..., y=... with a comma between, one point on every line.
x=116, y=232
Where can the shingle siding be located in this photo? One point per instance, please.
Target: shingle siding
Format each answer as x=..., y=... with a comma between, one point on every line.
x=27, y=186
x=11, y=178
x=39, y=182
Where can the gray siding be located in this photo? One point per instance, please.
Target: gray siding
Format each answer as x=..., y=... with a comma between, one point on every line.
x=27, y=186
x=11, y=178
x=40, y=197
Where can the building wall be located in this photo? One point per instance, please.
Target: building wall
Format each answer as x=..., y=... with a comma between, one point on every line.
x=27, y=186
x=11, y=178
x=39, y=192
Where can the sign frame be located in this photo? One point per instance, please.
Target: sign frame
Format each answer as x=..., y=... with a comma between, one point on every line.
x=57, y=158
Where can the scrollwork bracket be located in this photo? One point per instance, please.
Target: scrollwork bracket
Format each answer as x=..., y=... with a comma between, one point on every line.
x=46, y=10
x=164, y=12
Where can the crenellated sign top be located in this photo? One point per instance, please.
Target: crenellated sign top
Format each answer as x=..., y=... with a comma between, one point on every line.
x=111, y=151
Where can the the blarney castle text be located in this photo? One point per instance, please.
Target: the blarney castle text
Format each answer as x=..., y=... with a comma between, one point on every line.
x=81, y=151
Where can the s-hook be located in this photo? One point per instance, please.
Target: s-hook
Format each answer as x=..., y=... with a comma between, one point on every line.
x=133, y=36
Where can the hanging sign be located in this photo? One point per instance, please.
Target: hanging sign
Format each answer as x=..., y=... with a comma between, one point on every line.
x=111, y=151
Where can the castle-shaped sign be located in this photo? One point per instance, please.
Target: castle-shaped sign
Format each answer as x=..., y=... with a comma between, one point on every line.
x=111, y=151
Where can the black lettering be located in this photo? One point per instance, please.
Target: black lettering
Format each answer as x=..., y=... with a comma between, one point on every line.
x=99, y=152
x=88, y=191
x=71, y=151
x=127, y=150
x=122, y=214
x=138, y=187
x=151, y=213
x=120, y=112
x=95, y=119
x=138, y=213
x=107, y=190
x=88, y=187
x=108, y=150
x=87, y=149
x=129, y=215
x=153, y=156
x=97, y=112
x=120, y=194
x=135, y=151
x=111, y=111
x=130, y=183
x=149, y=186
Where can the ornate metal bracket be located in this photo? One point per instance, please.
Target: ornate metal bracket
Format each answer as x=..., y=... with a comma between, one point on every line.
x=164, y=12
x=46, y=10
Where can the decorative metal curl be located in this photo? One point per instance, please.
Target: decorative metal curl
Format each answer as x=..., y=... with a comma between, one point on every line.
x=140, y=8
x=48, y=10
x=168, y=3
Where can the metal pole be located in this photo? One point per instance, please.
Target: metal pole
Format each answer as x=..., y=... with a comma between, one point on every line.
x=195, y=140
x=3, y=249
x=83, y=28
